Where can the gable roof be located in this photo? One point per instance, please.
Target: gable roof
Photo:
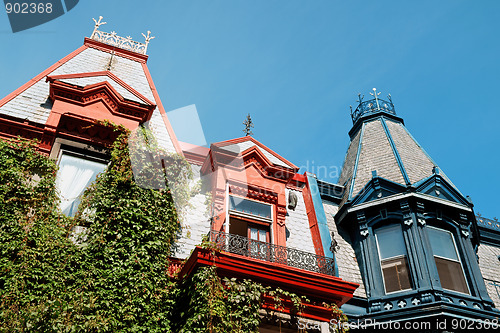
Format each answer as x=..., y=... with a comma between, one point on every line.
x=91, y=78
x=125, y=71
x=244, y=143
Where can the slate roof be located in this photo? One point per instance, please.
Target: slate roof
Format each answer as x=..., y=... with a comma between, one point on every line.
x=490, y=269
x=32, y=101
x=298, y=233
x=85, y=81
x=244, y=143
x=345, y=256
x=384, y=145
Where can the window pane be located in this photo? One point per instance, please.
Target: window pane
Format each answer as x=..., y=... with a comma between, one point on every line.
x=74, y=176
x=390, y=241
x=442, y=243
x=451, y=275
x=262, y=235
x=249, y=207
x=396, y=275
x=254, y=234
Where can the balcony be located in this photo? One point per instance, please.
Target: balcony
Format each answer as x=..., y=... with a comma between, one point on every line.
x=273, y=253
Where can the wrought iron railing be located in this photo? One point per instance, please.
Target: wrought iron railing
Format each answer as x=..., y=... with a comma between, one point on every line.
x=372, y=106
x=273, y=253
x=488, y=223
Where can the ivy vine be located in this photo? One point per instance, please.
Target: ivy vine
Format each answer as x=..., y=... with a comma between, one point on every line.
x=117, y=279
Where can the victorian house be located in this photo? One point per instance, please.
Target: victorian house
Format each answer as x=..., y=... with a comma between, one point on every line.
x=394, y=240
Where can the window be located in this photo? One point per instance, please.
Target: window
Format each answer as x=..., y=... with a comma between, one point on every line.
x=76, y=173
x=447, y=260
x=251, y=230
x=392, y=253
x=243, y=207
x=249, y=225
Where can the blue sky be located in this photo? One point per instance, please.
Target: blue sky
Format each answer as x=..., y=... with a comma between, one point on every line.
x=296, y=66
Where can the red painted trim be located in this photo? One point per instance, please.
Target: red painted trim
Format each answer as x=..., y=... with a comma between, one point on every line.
x=103, y=73
x=170, y=130
x=40, y=76
x=11, y=128
x=104, y=92
x=311, y=311
x=142, y=58
x=313, y=220
x=250, y=138
x=315, y=286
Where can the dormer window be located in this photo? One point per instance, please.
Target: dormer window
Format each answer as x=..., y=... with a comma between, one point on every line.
x=392, y=254
x=449, y=266
x=76, y=172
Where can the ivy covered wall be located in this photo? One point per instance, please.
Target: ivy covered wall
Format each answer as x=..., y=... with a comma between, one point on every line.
x=117, y=279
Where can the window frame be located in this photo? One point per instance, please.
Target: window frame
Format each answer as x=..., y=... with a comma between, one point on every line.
x=449, y=259
x=250, y=219
x=249, y=216
x=393, y=257
x=78, y=150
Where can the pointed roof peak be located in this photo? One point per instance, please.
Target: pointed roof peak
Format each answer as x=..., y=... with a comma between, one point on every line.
x=113, y=39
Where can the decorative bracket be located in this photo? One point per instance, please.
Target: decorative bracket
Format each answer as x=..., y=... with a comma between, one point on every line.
x=363, y=228
x=420, y=213
x=405, y=208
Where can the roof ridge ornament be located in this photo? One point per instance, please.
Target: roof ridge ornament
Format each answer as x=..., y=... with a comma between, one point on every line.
x=147, y=38
x=375, y=94
x=372, y=106
x=97, y=25
x=113, y=39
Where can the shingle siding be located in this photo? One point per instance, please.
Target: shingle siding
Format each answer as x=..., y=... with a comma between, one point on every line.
x=490, y=269
x=345, y=256
x=195, y=223
x=297, y=225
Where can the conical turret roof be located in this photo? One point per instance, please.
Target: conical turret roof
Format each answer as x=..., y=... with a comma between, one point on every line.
x=382, y=146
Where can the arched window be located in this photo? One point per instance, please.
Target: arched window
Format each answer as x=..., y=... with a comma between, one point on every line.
x=449, y=266
x=393, y=258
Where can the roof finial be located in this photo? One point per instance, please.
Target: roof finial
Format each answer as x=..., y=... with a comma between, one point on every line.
x=97, y=25
x=375, y=94
x=248, y=125
x=360, y=98
x=148, y=38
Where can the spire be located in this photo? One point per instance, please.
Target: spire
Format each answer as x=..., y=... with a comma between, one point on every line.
x=248, y=126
